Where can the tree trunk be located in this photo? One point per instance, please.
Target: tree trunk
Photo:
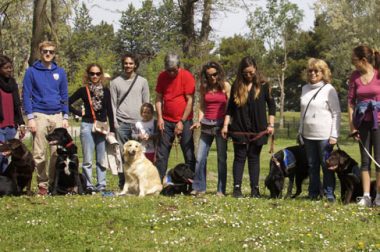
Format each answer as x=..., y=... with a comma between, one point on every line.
x=187, y=24
x=206, y=18
x=39, y=12
x=54, y=7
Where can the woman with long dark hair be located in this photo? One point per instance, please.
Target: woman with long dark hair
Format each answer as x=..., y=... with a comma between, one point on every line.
x=214, y=93
x=250, y=97
x=10, y=106
x=99, y=106
x=364, y=116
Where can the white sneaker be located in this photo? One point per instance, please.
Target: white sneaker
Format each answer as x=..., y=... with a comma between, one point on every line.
x=364, y=201
x=376, y=202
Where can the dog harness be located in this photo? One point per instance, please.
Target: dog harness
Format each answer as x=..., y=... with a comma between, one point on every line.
x=289, y=160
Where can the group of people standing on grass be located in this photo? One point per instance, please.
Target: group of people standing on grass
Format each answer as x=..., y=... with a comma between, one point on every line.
x=245, y=112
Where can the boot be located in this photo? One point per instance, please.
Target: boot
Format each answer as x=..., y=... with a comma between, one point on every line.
x=237, y=192
x=255, y=193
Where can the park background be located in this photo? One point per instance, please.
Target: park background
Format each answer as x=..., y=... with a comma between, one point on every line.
x=274, y=35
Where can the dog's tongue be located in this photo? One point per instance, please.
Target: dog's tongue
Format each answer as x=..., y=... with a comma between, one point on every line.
x=190, y=180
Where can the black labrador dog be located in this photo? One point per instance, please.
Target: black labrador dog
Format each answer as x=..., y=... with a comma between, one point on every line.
x=290, y=162
x=349, y=176
x=20, y=169
x=67, y=180
x=178, y=180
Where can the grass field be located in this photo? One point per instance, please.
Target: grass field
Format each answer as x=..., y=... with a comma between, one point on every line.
x=184, y=223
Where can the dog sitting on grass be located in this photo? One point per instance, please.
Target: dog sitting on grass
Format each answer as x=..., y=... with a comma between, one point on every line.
x=178, y=180
x=349, y=176
x=141, y=176
x=20, y=169
x=67, y=180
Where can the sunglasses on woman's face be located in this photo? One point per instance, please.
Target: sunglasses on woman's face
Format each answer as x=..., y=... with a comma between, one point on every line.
x=212, y=75
x=316, y=71
x=94, y=74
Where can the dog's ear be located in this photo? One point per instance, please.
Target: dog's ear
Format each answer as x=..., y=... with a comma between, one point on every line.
x=14, y=144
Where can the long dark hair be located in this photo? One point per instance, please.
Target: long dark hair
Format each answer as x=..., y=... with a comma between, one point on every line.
x=240, y=93
x=372, y=56
x=220, y=79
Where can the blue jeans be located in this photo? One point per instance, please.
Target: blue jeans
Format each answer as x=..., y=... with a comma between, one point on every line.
x=6, y=133
x=165, y=144
x=315, y=154
x=205, y=143
x=91, y=141
x=124, y=133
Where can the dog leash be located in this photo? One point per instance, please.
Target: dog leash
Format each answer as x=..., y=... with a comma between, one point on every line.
x=252, y=136
x=365, y=149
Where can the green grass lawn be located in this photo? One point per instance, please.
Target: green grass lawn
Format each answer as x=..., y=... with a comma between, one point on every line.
x=184, y=223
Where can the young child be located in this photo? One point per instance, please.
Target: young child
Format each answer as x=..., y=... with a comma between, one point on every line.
x=145, y=130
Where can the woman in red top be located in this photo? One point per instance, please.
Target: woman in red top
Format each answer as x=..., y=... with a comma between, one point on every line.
x=214, y=92
x=364, y=95
x=10, y=107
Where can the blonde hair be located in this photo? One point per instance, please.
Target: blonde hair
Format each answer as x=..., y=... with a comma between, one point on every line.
x=320, y=65
x=46, y=43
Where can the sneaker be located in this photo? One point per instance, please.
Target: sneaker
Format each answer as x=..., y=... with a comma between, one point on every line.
x=42, y=191
x=90, y=191
x=220, y=194
x=197, y=193
x=364, y=201
x=237, y=192
x=376, y=202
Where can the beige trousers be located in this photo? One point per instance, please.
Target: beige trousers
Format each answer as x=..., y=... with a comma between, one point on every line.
x=45, y=125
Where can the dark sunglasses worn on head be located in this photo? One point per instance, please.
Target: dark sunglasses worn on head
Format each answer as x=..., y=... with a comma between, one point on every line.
x=93, y=73
x=44, y=51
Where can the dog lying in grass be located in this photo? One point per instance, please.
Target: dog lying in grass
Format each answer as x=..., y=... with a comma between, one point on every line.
x=67, y=180
x=178, y=180
x=290, y=162
x=141, y=176
x=349, y=176
x=20, y=169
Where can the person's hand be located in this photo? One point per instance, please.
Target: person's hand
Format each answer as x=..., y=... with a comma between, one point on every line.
x=270, y=130
x=160, y=124
x=32, y=126
x=178, y=128
x=332, y=140
x=355, y=134
x=195, y=125
x=65, y=123
x=21, y=132
x=224, y=131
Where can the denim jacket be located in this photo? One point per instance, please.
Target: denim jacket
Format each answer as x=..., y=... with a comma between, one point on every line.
x=360, y=110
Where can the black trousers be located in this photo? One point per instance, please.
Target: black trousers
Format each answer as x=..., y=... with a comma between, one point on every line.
x=241, y=153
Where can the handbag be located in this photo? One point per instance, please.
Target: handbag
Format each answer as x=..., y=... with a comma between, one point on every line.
x=300, y=135
x=98, y=126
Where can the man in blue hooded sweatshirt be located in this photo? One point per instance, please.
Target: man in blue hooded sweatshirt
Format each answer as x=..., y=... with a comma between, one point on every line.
x=45, y=98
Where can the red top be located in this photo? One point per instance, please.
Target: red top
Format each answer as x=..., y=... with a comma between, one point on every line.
x=173, y=91
x=215, y=105
x=358, y=92
x=8, y=111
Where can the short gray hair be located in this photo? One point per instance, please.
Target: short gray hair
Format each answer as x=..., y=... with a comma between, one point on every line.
x=171, y=60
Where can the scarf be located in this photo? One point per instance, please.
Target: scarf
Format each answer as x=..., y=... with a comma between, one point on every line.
x=8, y=85
x=98, y=94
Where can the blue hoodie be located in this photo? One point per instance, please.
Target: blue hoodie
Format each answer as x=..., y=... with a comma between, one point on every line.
x=45, y=90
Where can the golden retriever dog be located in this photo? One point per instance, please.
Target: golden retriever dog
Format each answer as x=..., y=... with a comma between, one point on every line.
x=141, y=176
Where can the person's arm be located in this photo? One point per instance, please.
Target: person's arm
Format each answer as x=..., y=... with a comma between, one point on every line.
x=64, y=100
x=333, y=102
x=351, y=100
x=110, y=114
x=145, y=92
x=114, y=98
x=189, y=107
x=72, y=99
x=160, y=120
x=197, y=124
x=271, y=109
x=27, y=91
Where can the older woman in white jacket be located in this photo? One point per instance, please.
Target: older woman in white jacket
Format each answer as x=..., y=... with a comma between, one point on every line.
x=319, y=126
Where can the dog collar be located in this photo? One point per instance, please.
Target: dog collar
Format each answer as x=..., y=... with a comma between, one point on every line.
x=69, y=144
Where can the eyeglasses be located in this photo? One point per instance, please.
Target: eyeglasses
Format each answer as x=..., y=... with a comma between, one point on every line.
x=93, y=74
x=44, y=51
x=212, y=75
x=313, y=71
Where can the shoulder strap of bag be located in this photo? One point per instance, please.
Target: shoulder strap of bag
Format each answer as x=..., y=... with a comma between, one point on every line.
x=90, y=101
x=129, y=90
x=307, y=106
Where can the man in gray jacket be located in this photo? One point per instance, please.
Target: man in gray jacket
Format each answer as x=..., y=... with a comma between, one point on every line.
x=128, y=92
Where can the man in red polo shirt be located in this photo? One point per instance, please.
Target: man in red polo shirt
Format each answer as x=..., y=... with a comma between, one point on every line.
x=174, y=104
